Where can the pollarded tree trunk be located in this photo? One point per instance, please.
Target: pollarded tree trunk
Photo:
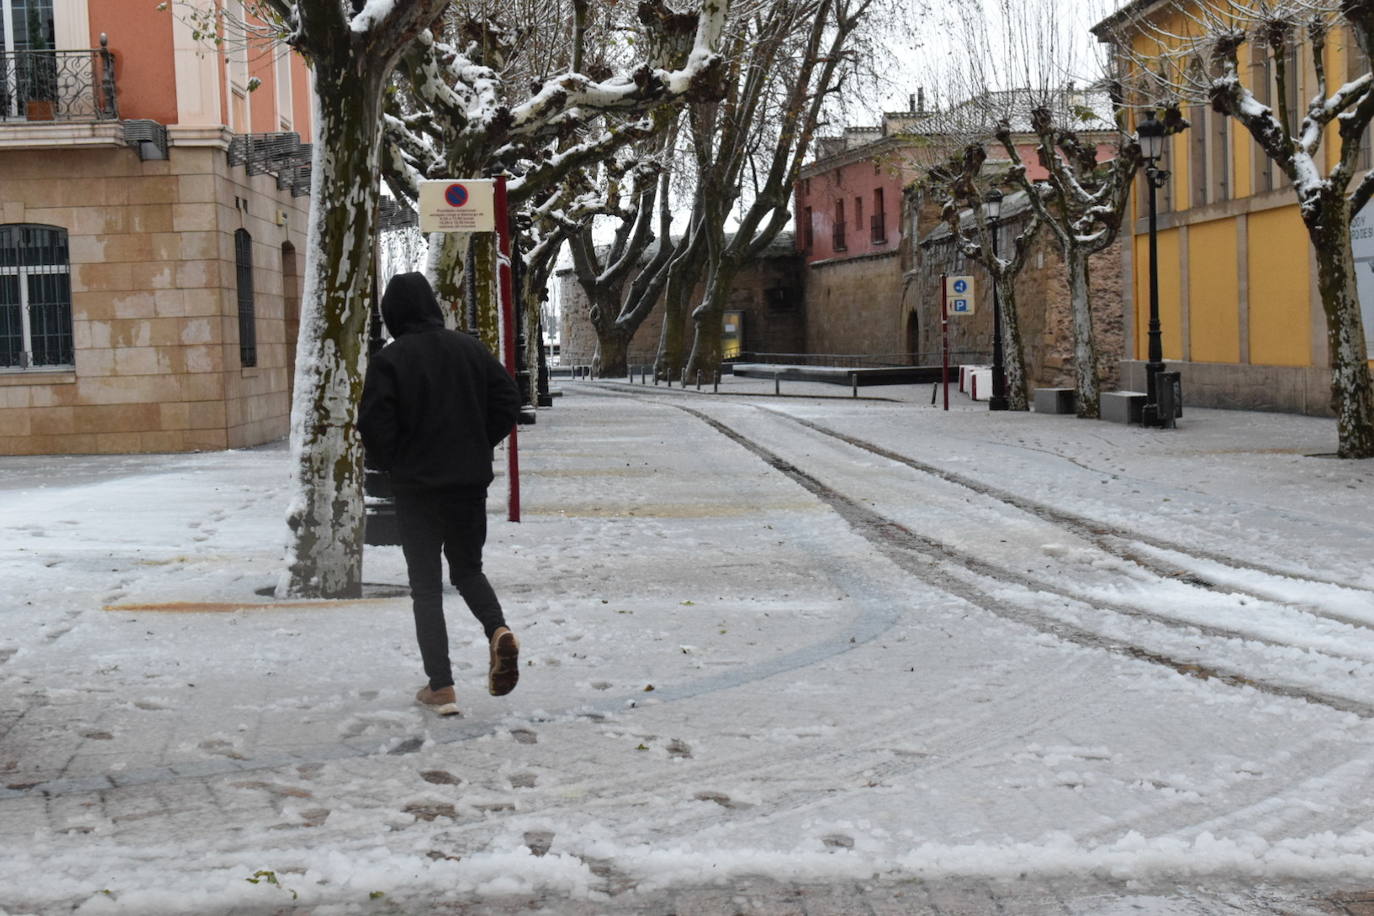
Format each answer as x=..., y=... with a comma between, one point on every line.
x=1352, y=398
x=445, y=272
x=1084, y=348
x=709, y=318
x=682, y=276
x=324, y=557
x=481, y=273
x=1013, y=360
x=611, y=359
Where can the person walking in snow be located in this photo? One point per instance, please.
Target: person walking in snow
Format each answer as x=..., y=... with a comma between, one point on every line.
x=435, y=403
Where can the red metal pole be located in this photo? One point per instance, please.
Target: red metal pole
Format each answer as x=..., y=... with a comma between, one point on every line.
x=508, y=335
x=944, y=333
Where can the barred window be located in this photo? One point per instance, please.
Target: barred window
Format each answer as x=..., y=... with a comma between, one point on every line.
x=243, y=263
x=35, y=297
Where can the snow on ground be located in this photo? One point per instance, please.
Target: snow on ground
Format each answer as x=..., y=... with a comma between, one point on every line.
x=961, y=645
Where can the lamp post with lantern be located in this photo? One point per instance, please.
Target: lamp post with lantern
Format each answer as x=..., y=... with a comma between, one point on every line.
x=992, y=202
x=1150, y=136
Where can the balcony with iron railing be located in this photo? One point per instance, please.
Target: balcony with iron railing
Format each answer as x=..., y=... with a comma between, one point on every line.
x=58, y=86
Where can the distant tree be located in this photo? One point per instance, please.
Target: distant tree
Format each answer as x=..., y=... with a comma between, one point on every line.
x=470, y=115
x=1038, y=46
x=786, y=58
x=1082, y=203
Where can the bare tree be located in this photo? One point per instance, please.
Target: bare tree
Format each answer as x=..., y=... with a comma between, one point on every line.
x=637, y=198
x=1082, y=202
x=787, y=58
x=1202, y=63
x=472, y=116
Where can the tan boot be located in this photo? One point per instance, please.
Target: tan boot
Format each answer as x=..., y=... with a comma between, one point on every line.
x=443, y=701
x=504, y=670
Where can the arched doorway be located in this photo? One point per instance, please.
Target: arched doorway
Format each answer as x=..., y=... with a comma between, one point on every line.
x=913, y=337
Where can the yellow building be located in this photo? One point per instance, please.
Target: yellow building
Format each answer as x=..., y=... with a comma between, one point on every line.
x=1239, y=308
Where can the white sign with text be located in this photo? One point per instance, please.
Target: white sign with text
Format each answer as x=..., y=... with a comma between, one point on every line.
x=458, y=206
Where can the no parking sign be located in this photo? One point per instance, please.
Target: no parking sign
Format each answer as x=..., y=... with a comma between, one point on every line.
x=457, y=206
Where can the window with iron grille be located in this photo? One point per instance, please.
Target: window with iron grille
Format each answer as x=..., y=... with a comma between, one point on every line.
x=35, y=297
x=837, y=228
x=243, y=262
x=879, y=227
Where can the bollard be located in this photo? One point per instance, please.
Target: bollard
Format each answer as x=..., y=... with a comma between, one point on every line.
x=641, y=375
x=777, y=383
x=629, y=375
x=715, y=386
x=698, y=380
x=854, y=384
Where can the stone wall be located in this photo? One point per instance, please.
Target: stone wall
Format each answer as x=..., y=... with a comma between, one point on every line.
x=1286, y=389
x=154, y=304
x=1043, y=309
x=854, y=306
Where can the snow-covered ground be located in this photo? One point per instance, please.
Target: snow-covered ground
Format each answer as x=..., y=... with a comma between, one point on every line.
x=805, y=641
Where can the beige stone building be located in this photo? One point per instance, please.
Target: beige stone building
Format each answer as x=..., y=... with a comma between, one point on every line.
x=153, y=212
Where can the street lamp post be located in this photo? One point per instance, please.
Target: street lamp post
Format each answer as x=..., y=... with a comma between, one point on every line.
x=1150, y=135
x=993, y=202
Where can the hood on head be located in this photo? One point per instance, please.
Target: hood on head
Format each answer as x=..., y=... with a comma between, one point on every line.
x=409, y=305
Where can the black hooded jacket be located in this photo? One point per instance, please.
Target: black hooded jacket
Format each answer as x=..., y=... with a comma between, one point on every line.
x=435, y=401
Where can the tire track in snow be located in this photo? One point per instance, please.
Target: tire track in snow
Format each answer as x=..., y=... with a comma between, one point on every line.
x=939, y=565
x=1102, y=534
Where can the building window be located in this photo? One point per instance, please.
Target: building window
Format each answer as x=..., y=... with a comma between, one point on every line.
x=837, y=240
x=1262, y=79
x=879, y=218
x=809, y=231
x=1357, y=64
x=236, y=57
x=858, y=214
x=283, y=75
x=243, y=264
x=35, y=297
x=1197, y=159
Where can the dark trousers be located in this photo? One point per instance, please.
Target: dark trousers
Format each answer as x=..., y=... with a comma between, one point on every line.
x=454, y=525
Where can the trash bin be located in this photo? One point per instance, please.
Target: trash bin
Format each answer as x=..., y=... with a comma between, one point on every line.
x=1169, y=390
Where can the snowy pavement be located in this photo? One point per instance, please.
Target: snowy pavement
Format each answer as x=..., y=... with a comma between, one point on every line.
x=782, y=654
